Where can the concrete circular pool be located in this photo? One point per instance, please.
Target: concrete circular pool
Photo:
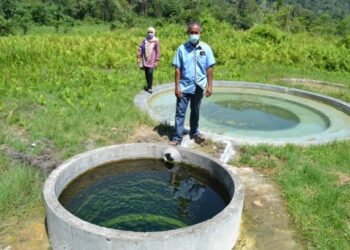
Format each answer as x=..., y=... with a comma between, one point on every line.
x=143, y=197
x=259, y=113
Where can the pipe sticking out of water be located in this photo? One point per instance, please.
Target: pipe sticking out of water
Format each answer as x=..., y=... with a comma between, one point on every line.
x=171, y=155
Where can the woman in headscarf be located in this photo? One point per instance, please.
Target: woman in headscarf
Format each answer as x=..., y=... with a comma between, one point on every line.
x=148, y=56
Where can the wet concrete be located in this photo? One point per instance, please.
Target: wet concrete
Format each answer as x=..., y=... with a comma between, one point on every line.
x=265, y=221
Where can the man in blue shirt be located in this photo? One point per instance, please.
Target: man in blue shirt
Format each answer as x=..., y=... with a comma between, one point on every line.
x=193, y=62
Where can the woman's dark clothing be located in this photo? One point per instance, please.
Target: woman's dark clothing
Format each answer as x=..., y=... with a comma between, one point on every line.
x=149, y=76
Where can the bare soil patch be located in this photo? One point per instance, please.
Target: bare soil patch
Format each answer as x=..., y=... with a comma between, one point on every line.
x=343, y=178
x=29, y=234
x=315, y=84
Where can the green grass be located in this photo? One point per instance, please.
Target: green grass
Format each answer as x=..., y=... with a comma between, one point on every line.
x=20, y=189
x=274, y=72
x=311, y=180
x=69, y=89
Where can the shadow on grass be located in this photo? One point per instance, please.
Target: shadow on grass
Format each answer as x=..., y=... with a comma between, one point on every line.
x=165, y=129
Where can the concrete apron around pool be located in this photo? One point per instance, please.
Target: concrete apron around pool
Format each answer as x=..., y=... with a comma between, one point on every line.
x=333, y=132
x=69, y=232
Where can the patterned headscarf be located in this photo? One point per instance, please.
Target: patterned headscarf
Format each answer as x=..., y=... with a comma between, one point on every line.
x=151, y=29
x=149, y=44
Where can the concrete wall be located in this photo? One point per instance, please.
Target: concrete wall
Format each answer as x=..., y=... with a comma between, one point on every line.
x=69, y=232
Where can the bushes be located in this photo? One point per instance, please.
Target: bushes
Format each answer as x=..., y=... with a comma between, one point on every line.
x=268, y=33
x=262, y=44
x=265, y=44
x=6, y=27
x=345, y=41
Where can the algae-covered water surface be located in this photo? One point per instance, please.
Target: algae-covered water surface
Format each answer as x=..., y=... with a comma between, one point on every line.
x=145, y=195
x=248, y=114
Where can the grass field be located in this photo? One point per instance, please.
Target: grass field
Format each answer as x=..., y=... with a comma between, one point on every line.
x=64, y=91
x=316, y=185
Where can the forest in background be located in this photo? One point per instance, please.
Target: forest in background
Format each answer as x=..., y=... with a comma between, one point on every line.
x=322, y=17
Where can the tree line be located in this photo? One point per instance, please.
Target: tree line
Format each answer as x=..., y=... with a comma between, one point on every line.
x=324, y=16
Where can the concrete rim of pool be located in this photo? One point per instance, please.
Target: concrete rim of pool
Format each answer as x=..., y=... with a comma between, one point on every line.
x=338, y=130
x=67, y=231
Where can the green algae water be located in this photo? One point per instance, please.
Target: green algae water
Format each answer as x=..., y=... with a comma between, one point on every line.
x=145, y=195
x=248, y=114
x=260, y=116
x=256, y=112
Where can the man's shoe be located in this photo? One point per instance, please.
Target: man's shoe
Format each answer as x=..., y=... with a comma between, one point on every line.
x=174, y=143
x=199, y=139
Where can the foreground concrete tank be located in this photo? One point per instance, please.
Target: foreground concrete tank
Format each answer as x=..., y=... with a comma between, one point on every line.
x=67, y=231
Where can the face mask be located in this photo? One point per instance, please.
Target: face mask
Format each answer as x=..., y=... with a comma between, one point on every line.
x=150, y=36
x=194, y=38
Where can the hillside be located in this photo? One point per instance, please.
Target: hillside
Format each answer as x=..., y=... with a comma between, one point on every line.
x=290, y=15
x=337, y=8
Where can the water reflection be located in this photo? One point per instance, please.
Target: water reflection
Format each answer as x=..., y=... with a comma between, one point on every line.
x=145, y=195
x=249, y=115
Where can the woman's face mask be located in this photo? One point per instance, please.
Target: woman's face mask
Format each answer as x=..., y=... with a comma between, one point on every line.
x=150, y=35
x=194, y=38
